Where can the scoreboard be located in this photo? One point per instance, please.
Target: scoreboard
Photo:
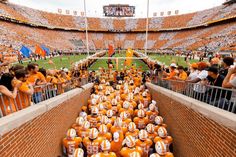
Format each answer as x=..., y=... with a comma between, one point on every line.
x=118, y=10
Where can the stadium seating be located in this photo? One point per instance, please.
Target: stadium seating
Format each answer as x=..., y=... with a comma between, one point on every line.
x=176, y=32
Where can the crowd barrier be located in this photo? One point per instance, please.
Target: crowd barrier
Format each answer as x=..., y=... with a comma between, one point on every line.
x=216, y=96
x=41, y=93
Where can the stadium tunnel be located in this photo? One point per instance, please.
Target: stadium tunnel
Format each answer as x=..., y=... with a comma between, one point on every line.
x=197, y=129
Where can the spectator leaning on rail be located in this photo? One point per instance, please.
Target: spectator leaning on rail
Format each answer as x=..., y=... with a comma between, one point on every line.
x=193, y=72
x=182, y=75
x=36, y=78
x=227, y=62
x=9, y=92
x=230, y=82
x=199, y=81
x=172, y=74
x=26, y=90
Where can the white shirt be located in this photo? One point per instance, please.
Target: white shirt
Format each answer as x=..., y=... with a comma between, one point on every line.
x=198, y=87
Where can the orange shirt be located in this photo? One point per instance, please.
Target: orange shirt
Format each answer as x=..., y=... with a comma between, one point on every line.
x=116, y=146
x=25, y=99
x=152, y=136
x=126, y=122
x=125, y=152
x=82, y=133
x=151, y=116
x=69, y=145
x=92, y=146
x=171, y=75
x=120, y=130
x=110, y=154
x=145, y=145
x=134, y=133
x=106, y=136
x=8, y=104
x=93, y=120
x=32, y=78
x=141, y=122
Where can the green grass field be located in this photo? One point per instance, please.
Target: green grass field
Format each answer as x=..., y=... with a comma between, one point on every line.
x=65, y=61
x=167, y=60
x=103, y=63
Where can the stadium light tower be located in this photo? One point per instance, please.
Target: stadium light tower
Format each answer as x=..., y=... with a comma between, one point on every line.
x=86, y=28
x=147, y=27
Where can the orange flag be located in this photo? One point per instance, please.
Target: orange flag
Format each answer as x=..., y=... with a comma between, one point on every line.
x=40, y=51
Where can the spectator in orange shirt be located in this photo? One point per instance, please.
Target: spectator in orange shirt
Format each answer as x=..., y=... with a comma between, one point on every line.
x=182, y=74
x=26, y=90
x=9, y=92
x=172, y=74
x=36, y=78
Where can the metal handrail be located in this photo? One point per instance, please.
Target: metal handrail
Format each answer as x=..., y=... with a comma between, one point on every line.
x=223, y=98
x=41, y=93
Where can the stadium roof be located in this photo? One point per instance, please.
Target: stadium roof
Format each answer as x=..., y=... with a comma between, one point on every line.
x=94, y=7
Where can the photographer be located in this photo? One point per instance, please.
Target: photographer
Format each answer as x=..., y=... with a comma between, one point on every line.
x=230, y=82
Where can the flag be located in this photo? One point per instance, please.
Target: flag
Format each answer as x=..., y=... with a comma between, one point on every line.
x=25, y=51
x=47, y=50
x=129, y=53
x=40, y=51
x=110, y=50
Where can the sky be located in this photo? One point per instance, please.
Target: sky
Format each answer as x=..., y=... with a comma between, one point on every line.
x=94, y=7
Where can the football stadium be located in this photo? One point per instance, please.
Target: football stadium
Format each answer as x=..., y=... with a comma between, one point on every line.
x=116, y=78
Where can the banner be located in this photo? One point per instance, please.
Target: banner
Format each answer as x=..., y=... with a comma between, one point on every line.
x=47, y=50
x=40, y=51
x=25, y=51
x=129, y=53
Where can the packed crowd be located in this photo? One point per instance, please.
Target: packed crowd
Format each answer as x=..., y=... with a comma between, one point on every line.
x=55, y=20
x=120, y=119
x=21, y=87
x=209, y=80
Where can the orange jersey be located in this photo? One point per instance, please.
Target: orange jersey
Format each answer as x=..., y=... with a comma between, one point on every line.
x=93, y=120
x=108, y=126
x=69, y=145
x=106, y=136
x=151, y=136
x=112, y=120
x=116, y=146
x=83, y=133
x=125, y=152
x=126, y=122
x=115, y=109
x=168, y=140
x=92, y=146
x=158, y=126
x=38, y=76
x=76, y=127
x=129, y=112
x=110, y=154
x=145, y=101
x=145, y=145
x=134, y=133
x=120, y=130
x=141, y=123
x=152, y=115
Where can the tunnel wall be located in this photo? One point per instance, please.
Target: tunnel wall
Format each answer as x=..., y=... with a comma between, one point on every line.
x=38, y=130
x=198, y=129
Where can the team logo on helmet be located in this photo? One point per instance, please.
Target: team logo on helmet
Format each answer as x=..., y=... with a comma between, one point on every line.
x=143, y=135
x=131, y=126
x=71, y=133
x=162, y=132
x=160, y=148
x=93, y=133
x=78, y=152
